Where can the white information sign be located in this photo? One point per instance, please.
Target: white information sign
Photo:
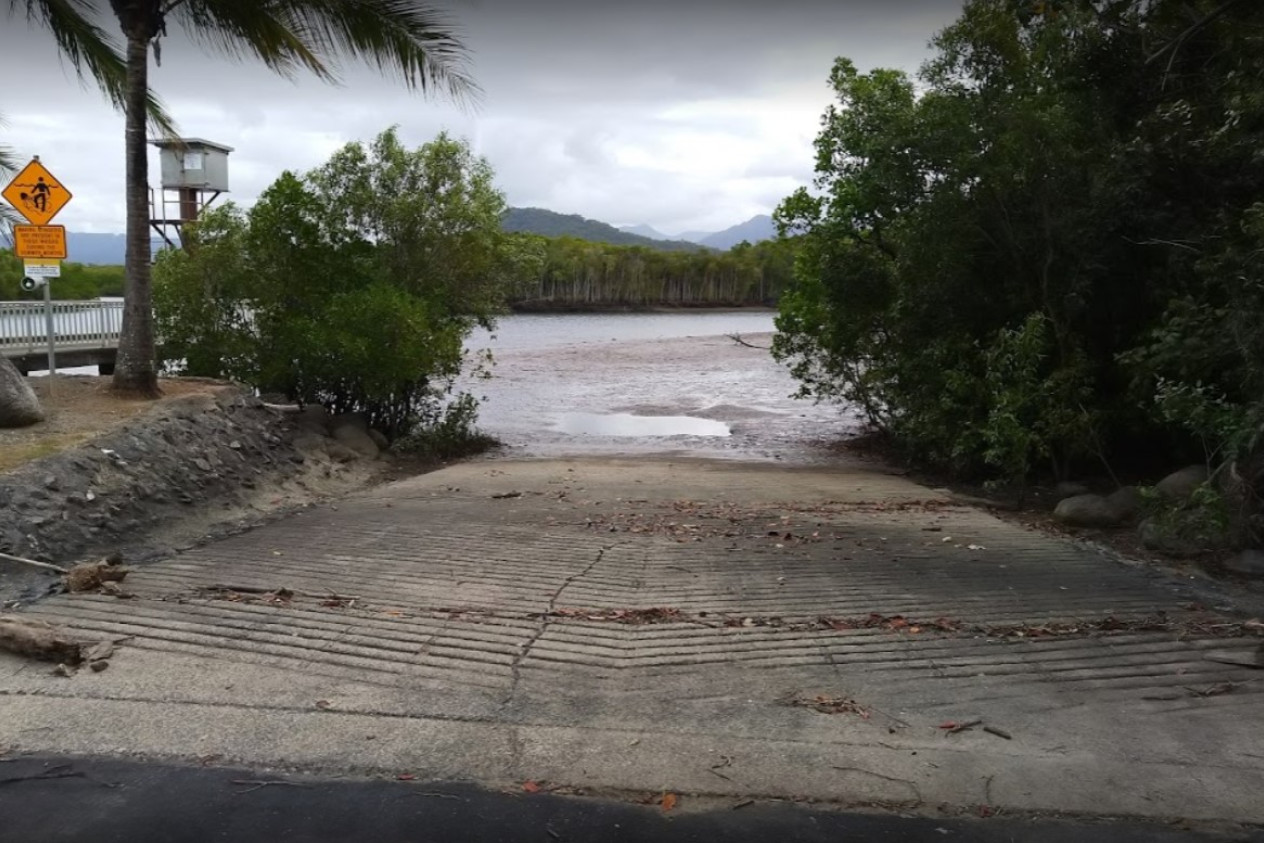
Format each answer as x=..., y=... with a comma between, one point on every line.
x=43, y=270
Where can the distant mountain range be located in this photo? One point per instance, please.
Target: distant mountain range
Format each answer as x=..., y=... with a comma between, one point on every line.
x=553, y=224
x=755, y=229
x=84, y=247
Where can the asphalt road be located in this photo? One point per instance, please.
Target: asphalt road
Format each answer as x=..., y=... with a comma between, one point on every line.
x=60, y=800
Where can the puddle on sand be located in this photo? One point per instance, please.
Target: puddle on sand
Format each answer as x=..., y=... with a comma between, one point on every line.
x=625, y=424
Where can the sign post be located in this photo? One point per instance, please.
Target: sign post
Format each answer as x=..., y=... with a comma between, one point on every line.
x=48, y=325
x=38, y=195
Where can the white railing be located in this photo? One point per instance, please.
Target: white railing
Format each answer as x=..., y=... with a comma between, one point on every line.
x=77, y=325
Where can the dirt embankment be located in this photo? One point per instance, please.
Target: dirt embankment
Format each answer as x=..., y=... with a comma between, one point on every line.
x=199, y=462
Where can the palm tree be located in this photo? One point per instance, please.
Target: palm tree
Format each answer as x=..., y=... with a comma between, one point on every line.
x=403, y=37
x=8, y=167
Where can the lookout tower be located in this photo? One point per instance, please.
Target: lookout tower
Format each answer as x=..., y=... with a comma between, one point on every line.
x=194, y=174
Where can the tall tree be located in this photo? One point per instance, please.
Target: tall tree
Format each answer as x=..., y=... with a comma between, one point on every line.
x=401, y=37
x=8, y=164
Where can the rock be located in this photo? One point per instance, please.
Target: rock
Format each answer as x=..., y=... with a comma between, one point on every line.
x=312, y=443
x=1127, y=502
x=355, y=420
x=18, y=405
x=313, y=419
x=357, y=440
x=1180, y=485
x=379, y=439
x=177, y=461
x=1248, y=563
x=339, y=452
x=1069, y=489
x=1156, y=537
x=1088, y=511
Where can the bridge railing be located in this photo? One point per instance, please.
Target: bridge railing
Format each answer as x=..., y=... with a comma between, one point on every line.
x=76, y=325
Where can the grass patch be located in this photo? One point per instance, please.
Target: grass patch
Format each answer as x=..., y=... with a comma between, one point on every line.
x=18, y=455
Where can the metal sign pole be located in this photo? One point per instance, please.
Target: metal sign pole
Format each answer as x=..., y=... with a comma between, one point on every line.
x=48, y=325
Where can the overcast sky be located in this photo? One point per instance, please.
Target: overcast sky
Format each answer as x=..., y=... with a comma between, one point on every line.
x=685, y=116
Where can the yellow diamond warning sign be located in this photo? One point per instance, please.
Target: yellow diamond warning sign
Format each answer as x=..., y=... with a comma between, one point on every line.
x=36, y=194
x=38, y=242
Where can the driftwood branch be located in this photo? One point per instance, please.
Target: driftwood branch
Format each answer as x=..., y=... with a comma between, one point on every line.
x=39, y=640
x=737, y=338
x=43, y=566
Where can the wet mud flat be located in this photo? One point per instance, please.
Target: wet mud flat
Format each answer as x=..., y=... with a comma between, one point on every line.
x=708, y=395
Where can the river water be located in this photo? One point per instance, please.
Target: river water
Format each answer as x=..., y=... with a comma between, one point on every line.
x=614, y=383
x=659, y=382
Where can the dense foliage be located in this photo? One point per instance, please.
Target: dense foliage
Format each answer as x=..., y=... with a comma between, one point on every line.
x=1047, y=251
x=566, y=272
x=352, y=286
x=77, y=281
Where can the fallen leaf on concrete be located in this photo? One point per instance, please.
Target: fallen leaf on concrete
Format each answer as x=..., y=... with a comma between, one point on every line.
x=668, y=801
x=832, y=705
x=406, y=777
x=635, y=617
x=1219, y=689
x=256, y=784
x=531, y=786
x=278, y=596
x=97, y=656
x=714, y=769
x=113, y=589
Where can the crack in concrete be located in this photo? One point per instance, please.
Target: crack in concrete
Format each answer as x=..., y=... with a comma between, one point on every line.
x=515, y=669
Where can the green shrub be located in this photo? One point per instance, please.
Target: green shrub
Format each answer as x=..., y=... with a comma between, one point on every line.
x=353, y=286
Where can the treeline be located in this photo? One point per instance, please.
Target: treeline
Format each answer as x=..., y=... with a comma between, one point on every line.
x=77, y=281
x=568, y=273
x=1047, y=256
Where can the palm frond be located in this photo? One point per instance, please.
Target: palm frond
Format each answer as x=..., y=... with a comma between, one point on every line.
x=8, y=166
x=89, y=50
x=248, y=29
x=404, y=38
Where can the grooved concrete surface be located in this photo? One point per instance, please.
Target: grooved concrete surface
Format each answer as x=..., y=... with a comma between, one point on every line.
x=491, y=624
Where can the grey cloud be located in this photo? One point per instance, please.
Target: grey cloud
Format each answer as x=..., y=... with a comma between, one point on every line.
x=681, y=115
